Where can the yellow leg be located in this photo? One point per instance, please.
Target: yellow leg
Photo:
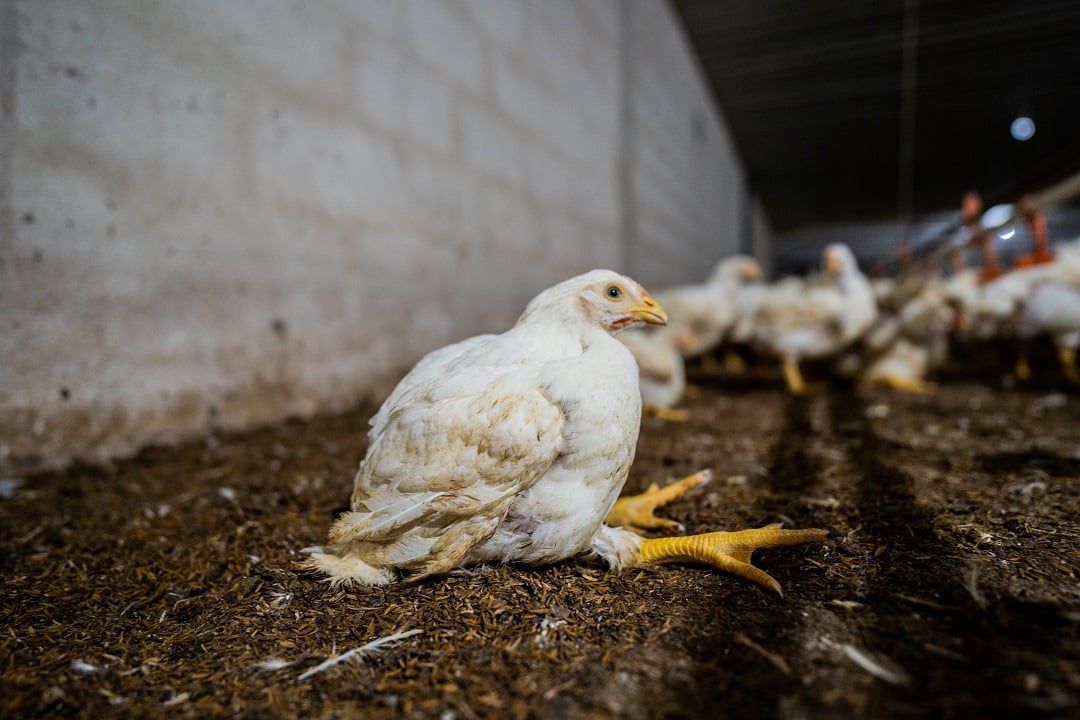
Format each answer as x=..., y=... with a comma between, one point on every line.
x=734, y=364
x=1067, y=357
x=728, y=551
x=1022, y=369
x=635, y=512
x=901, y=383
x=709, y=365
x=793, y=377
x=665, y=413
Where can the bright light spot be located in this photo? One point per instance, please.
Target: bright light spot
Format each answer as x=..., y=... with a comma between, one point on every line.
x=1022, y=128
x=1007, y=235
x=997, y=215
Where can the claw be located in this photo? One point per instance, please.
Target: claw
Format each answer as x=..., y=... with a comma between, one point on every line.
x=635, y=513
x=728, y=551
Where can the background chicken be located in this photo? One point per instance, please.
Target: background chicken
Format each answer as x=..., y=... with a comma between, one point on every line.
x=707, y=310
x=997, y=310
x=816, y=317
x=1052, y=307
x=514, y=447
x=909, y=339
x=747, y=296
x=662, y=370
x=699, y=318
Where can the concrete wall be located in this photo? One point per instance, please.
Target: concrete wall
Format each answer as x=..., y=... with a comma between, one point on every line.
x=685, y=179
x=215, y=214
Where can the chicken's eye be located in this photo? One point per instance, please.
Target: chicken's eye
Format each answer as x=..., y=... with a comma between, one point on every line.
x=614, y=293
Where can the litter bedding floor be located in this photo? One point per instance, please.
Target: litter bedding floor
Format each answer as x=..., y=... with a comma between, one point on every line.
x=167, y=585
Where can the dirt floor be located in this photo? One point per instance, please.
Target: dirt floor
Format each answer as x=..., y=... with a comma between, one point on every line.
x=167, y=585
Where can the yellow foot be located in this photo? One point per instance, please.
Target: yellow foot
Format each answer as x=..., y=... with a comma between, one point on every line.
x=729, y=551
x=636, y=511
x=734, y=364
x=1022, y=369
x=709, y=364
x=794, y=379
x=665, y=413
x=901, y=383
x=692, y=392
x=1067, y=357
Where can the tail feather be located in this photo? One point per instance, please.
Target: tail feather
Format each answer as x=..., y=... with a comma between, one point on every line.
x=384, y=517
x=346, y=568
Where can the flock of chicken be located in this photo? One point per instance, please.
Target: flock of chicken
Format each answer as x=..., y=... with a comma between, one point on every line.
x=885, y=331
x=515, y=447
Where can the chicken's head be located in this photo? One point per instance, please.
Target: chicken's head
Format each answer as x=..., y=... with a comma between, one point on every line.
x=599, y=297
x=838, y=259
x=750, y=271
x=618, y=302
x=736, y=270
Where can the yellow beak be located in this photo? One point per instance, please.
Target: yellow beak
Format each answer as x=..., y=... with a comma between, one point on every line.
x=649, y=311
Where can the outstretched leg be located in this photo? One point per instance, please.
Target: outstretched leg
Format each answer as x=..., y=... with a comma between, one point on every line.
x=635, y=512
x=729, y=551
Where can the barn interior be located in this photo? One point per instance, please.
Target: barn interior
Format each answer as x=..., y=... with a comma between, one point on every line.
x=228, y=230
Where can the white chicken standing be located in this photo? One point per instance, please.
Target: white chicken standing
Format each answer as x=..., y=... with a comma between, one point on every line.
x=662, y=370
x=514, y=448
x=1052, y=307
x=817, y=317
x=750, y=290
x=703, y=314
x=699, y=318
x=995, y=310
x=909, y=338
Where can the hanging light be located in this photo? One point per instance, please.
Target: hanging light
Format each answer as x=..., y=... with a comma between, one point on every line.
x=1022, y=128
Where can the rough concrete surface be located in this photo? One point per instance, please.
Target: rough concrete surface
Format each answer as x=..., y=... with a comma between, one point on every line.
x=220, y=214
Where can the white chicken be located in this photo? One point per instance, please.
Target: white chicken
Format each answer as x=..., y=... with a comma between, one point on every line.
x=817, y=317
x=992, y=310
x=662, y=370
x=909, y=338
x=1052, y=307
x=703, y=314
x=699, y=317
x=745, y=278
x=514, y=448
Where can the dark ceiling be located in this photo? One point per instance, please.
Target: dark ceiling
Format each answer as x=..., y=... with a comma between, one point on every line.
x=813, y=94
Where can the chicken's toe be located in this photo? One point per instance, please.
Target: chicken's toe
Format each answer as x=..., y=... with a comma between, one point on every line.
x=636, y=511
x=729, y=551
